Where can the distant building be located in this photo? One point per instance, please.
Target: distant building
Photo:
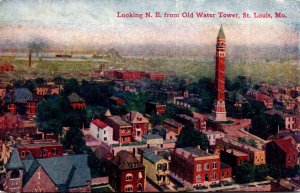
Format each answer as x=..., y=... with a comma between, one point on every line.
x=6, y=68
x=47, y=90
x=281, y=152
x=292, y=121
x=172, y=125
x=139, y=124
x=157, y=108
x=258, y=96
x=31, y=108
x=57, y=174
x=126, y=173
x=157, y=168
x=233, y=157
x=153, y=139
x=117, y=100
x=122, y=129
x=200, y=167
x=155, y=75
x=101, y=131
x=76, y=101
x=196, y=121
x=256, y=156
x=212, y=136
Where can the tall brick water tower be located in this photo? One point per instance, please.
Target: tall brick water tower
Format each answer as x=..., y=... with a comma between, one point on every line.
x=219, y=110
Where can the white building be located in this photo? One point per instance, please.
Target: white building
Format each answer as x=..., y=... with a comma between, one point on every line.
x=101, y=131
x=212, y=136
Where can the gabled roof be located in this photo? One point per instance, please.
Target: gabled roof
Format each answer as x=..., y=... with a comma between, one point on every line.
x=107, y=113
x=125, y=160
x=99, y=123
x=172, y=122
x=20, y=95
x=75, y=98
x=136, y=117
x=14, y=161
x=286, y=145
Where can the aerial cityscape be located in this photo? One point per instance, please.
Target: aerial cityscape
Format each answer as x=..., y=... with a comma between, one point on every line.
x=103, y=96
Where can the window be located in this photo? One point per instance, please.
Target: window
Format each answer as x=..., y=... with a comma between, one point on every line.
x=289, y=158
x=105, y=138
x=128, y=177
x=98, y=135
x=23, y=154
x=222, y=173
x=44, y=152
x=214, y=175
x=206, y=166
x=128, y=188
x=199, y=167
x=159, y=167
x=140, y=175
x=54, y=151
x=198, y=178
x=98, y=129
x=41, y=153
x=214, y=165
x=139, y=187
x=104, y=131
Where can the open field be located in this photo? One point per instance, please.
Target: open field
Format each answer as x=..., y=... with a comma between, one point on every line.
x=285, y=72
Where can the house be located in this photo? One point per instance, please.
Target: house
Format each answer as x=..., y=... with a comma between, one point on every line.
x=16, y=126
x=292, y=121
x=101, y=131
x=200, y=167
x=117, y=100
x=157, y=108
x=194, y=120
x=172, y=125
x=122, y=130
x=233, y=157
x=202, y=118
x=40, y=150
x=256, y=156
x=31, y=108
x=139, y=124
x=76, y=101
x=157, y=168
x=6, y=68
x=261, y=97
x=155, y=75
x=153, y=139
x=212, y=136
x=47, y=90
x=126, y=173
x=18, y=95
x=281, y=152
x=57, y=174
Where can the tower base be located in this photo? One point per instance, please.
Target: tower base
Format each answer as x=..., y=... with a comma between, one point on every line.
x=219, y=111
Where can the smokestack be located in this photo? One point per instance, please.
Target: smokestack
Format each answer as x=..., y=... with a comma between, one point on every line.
x=30, y=59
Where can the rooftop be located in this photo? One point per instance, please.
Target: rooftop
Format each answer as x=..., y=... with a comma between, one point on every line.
x=118, y=120
x=152, y=136
x=75, y=98
x=191, y=151
x=152, y=157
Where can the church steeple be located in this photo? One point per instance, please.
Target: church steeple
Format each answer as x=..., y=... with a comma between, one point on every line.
x=221, y=32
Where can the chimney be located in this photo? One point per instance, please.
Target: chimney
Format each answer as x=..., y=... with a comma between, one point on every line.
x=12, y=96
x=113, y=154
x=198, y=147
x=206, y=150
x=148, y=145
x=30, y=59
x=133, y=152
x=231, y=151
x=142, y=155
x=155, y=152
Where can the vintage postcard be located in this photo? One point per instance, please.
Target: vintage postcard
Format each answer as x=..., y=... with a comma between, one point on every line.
x=149, y=96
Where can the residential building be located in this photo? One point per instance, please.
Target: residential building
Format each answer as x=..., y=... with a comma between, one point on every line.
x=157, y=168
x=101, y=131
x=6, y=68
x=172, y=125
x=281, y=152
x=47, y=90
x=122, y=130
x=196, y=121
x=212, y=136
x=153, y=139
x=76, y=101
x=292, y=121
x=200, y=167
x=40, y=149
x=157, y=108
x=233, y=157
x=139, y=124
x=256, y=156
x=126, y=173
x=57, y=174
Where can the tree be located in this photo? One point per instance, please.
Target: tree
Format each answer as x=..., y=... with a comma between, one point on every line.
x=74, y=140
x=189, y=137
x=70, y=86
x=245, y=173
x=261, y=172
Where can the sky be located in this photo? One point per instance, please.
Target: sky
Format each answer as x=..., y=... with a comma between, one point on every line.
x=95, y=22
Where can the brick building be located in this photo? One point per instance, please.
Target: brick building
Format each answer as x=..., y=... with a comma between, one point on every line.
x=40, y=150
x=76, y=101
x=126, y=173
x=6, y=68
x=47, y=90
x=200, y=167
x=157, y=108
x=139, y=124
x=172, y=125
x=57, y=174
x=281, y=152
x=233, y=157
x=122, y=129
